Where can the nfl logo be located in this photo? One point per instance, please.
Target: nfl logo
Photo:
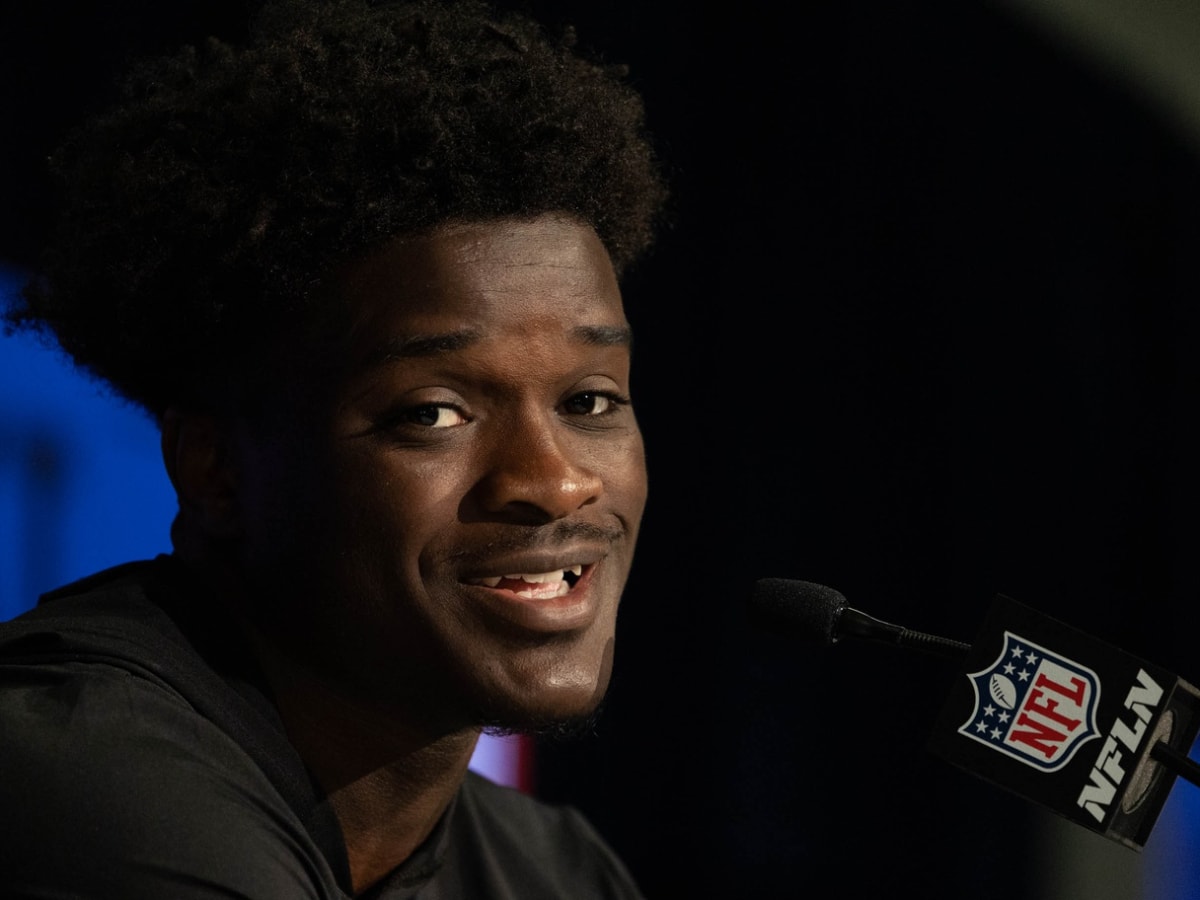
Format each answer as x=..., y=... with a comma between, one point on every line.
x=1034, y=705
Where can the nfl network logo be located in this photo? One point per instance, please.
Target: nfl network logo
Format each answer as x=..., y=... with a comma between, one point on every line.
x=1034, y=705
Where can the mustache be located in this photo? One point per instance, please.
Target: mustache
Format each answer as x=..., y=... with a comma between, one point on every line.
x=546, y=538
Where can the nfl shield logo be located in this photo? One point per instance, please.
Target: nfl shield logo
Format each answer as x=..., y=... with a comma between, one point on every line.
x=1034, y=705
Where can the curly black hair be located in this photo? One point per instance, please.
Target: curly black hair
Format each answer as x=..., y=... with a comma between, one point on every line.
x=203, y=210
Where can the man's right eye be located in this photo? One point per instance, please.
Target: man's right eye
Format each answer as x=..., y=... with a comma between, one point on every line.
x=432, y=415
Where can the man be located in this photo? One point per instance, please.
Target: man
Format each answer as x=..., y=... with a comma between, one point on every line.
x=364, y=272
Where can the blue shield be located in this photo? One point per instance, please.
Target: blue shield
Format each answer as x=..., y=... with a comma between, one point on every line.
x=1034, y=705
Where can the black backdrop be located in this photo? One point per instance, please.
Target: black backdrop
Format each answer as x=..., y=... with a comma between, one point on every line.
x=923, y=331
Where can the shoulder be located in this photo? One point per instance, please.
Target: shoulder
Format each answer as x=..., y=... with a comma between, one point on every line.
x=110, y=614
x=545, y=850
x=116, y=786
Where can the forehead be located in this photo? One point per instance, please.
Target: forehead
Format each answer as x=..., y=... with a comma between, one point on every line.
x=506, y=276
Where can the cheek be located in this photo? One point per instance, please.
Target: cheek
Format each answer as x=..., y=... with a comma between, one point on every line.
x=396, y=501
x=282, y=507
x=625, y=477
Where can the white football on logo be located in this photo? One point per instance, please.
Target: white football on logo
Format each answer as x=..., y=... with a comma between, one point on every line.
x=1003, y=691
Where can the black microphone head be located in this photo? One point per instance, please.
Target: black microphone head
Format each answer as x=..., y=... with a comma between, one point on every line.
x=799, y=608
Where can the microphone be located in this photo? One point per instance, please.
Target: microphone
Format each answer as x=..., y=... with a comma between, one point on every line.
x=811, y=611
x=1040, y=708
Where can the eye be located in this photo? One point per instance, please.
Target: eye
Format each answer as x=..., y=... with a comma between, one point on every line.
x=431, y=415
x=593, y=403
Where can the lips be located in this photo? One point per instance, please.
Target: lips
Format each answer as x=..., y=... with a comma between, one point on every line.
x=555, y=600
x=534, y=586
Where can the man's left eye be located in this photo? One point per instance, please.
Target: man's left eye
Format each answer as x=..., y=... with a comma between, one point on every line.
x=591, y=403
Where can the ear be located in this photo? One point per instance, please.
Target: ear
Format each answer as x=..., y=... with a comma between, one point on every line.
x=198, y=453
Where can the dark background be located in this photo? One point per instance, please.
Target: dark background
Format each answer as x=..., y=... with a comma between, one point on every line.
x=923, y=330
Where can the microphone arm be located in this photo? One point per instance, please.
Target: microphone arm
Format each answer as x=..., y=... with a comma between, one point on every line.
x=851, y=622
x=812, y=611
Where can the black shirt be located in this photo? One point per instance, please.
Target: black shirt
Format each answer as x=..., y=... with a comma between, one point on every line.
x=141, y=758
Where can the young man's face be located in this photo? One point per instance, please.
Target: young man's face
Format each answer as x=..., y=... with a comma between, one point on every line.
x=450, y=521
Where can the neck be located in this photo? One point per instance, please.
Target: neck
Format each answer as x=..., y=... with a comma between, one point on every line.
x=389, y=778
x=388, y=782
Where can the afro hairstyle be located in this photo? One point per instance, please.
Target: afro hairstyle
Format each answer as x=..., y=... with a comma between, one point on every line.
x=202, y=211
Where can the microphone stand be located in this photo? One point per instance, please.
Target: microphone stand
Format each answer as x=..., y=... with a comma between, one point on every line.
x=1182, y=765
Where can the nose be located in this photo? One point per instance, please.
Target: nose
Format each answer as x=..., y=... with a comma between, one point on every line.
x=537, y=473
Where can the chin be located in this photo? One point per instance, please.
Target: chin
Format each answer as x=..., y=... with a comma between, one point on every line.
x=562, y=702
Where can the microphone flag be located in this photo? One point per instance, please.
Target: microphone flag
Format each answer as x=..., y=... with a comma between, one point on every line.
x=1068, y=721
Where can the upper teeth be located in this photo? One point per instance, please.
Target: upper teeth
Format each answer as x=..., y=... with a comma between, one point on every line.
x=538, y=578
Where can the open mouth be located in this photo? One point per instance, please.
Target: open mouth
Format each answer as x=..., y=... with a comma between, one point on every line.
x=535, y=585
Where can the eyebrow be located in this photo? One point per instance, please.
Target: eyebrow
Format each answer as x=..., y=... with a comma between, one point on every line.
x=604, y=335
x=416, y=345
x=421, y=345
